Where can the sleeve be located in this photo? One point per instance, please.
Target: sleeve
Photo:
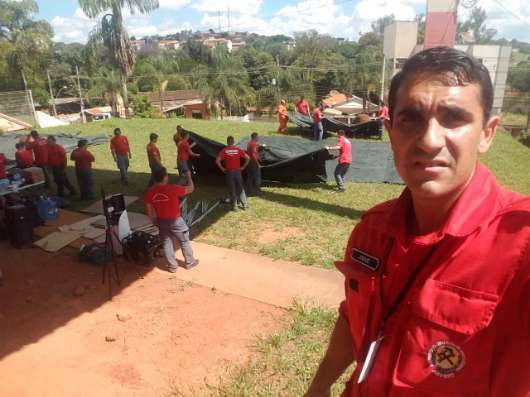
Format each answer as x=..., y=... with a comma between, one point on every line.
x=180, y=190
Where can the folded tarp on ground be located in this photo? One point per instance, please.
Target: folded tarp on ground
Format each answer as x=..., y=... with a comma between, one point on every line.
x=67, y=140
x=369, y=129
x=297, y=160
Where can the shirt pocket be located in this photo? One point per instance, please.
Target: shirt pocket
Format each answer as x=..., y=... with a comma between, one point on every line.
x=447, y=346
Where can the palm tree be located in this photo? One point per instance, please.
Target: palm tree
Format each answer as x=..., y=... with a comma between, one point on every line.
x=107, y=84
x=113, y=34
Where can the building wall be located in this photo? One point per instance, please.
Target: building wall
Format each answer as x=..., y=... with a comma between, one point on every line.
x=400, y=38
x=200, y=108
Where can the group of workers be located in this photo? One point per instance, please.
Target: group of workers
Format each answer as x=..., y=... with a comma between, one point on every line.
x=302, y=106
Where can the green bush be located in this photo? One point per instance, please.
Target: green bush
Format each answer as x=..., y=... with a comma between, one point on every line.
x=142, y=107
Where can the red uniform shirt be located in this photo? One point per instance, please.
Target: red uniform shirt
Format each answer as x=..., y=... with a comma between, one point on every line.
x=183, y=150
x=232, y=155
x=317, y=115
x=165, y=200
x=56, y=155
x=40, y=151
x=383, y=112
x=302, y=107
x=253, y=150
x=24, y=158
x=120, y=145
x=153, y=154
x=463, y=326
x=3, y=163
x=83, y=158
x=344, y=150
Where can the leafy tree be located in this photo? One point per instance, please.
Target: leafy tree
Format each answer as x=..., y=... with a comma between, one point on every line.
x=475, y=24
x=142, y=107
x=107, y=84
x=113, y=35
x=378, y=26
x=519, y=77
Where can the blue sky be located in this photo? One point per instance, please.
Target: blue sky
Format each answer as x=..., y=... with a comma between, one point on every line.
x=340, y=18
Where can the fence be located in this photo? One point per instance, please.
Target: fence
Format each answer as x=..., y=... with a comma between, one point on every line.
x=17, y=106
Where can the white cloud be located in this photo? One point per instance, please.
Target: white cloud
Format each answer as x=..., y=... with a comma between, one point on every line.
x=247, y=7
x=173, y=4
x=72, y=29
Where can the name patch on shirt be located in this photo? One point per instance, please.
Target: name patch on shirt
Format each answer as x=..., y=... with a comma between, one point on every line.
x=369, y=261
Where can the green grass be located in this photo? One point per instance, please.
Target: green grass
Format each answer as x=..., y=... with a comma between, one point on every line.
x=312, y=224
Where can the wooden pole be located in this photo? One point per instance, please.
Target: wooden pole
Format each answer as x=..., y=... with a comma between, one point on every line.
x=51, y=93
x=83, y=117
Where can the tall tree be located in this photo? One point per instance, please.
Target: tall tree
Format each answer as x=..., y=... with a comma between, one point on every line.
x=112, y=33
x=378, y=26
x=475, y=24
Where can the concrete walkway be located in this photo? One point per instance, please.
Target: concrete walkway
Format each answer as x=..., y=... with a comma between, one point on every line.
x=275, y=282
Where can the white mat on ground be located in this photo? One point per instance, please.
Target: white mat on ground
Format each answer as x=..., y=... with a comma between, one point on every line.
x=55, y=241
x=97, y=208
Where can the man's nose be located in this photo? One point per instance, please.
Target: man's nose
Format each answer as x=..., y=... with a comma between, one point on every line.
x=433, y=137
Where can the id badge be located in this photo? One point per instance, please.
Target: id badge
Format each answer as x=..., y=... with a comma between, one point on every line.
x=370, y=357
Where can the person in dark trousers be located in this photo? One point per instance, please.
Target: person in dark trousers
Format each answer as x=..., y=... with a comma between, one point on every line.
x=83, y=169
x=344, y=161
x=23, y=156
x=121, y=152
x=57, y=161
x=318, y=129
x=184, y=156
x=254, y=166
x=153, y=155
x=39, y=147
x=231, y=156
x=163, y=208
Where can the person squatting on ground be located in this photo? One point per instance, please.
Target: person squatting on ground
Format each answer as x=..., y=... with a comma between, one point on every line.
x=437, y=281
x=163, y=208
x=318, y=129
x=344, y=161
x=253, y=184
x=57, y=161
x=83, y=169
x=39, y=147
x=283, y=117
x=121, y=153
x=184, y=155
x=23, y=156
x=231, y=156
x=153, y=155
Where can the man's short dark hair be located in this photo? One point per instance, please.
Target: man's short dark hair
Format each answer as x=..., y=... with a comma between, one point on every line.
x=341, y=133
x=453, y=67
x=19, y=145
x=152, y=137
x=51, y=138
x=230, y=140
x=82, y=143
x=34, y=133
x=159, y=174
x=254, y=135
x=117, y=131
x=185, y=134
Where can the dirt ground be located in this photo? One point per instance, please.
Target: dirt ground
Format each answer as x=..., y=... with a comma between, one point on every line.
x=60, y=336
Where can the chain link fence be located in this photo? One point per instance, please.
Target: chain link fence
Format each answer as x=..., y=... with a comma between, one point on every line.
x=16, y=110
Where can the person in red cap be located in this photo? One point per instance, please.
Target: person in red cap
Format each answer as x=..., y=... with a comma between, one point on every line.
x=57, y=162
x=121, y=153
x=437, y=281
x=23, y=156
x=39, y=146
x=83, y=169
x=231, y=157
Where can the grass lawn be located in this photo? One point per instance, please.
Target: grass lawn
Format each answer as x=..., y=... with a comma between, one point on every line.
x=310, y=222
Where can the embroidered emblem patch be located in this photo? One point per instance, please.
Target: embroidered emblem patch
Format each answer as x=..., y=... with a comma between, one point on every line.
x=369, y=261
x=446, y=359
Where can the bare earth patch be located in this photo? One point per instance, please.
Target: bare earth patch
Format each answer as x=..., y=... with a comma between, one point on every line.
x=270, y=234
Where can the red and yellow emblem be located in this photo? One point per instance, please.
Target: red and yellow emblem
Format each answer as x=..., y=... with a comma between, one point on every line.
x=446, y=359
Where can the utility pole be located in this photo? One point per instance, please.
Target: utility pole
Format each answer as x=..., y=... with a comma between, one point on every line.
x=83, y=118
x=382, y=94
x=51, y=94
x=278, y=76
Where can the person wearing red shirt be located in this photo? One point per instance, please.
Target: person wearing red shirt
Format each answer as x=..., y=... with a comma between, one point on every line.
x=302, y=106
x=283, y=117
x=39, y=147
x=3, y=163
x=23, y=156
x=344, y=161
x=153, y=156
x=163, y=208
x=57, y=162
x=83, y=169
x=184, y=155
x=437, y=281
x=231, y=156
x=121, y=152
x=382, y=116
x=318, y=129
x=254, y=166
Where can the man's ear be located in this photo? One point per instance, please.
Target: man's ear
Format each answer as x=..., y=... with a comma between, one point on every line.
x=488, y=133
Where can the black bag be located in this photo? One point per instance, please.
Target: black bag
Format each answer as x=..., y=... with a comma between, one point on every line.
x=20, y=221
x=141, y=247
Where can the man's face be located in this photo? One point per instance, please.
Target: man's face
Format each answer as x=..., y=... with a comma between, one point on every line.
x=437, y=132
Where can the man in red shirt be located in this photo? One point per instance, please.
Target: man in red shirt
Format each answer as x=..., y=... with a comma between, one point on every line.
x=382, y=117
x=121, y=152
x=153, y=155
x=302, y=106
x=231, y=156
x=163, y=208
x=39, y=146
x=437, y=281
x=283, y=117
x=83, y=169
x=318, y=129
x=23, y=156
x=184, y=155
x=57, y=162
x=3, y=163
x=254, y=166
x=344, y=147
